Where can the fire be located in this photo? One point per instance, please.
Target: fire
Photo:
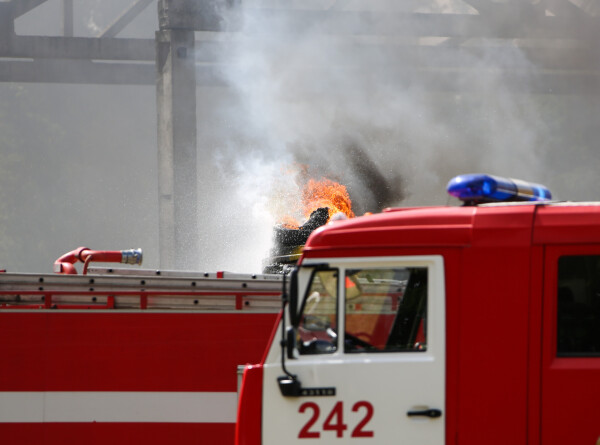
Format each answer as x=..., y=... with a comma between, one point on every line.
x=289, y=222
x=294, y=208
x=326, y=193
x=320, y=201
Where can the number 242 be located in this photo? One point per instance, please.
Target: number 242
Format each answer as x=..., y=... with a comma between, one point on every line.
x=335, y=420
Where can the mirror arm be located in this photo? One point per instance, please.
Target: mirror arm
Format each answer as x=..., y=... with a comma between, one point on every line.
x=288, y=384
x=293, y=298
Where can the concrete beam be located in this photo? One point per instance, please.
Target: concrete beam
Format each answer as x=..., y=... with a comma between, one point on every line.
x=446, y=80
x=77, y=72
x=177, y=177
x=79, y=48
x=498, y=21
x=211, y=52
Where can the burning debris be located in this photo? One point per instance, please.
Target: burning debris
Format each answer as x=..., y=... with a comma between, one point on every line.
x=285, y=236
x=322, y=201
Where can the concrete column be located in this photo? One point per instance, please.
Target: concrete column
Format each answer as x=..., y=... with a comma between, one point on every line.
x=7, y=27
x=67, y=22
x=177, y=179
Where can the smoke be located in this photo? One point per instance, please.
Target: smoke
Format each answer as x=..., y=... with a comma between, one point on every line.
x=342, y=104
x=351, y=108
x=384, y=192
x=350, y=100
x=353, y=102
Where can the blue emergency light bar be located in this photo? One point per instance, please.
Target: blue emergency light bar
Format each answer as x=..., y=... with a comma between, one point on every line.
x=481, y=188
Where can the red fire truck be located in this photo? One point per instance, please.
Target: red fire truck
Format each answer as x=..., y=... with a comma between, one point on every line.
x=127, y=356
x=457, y=325
x=469, y=325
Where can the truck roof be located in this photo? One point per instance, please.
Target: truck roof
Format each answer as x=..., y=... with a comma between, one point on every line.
x=447, y=226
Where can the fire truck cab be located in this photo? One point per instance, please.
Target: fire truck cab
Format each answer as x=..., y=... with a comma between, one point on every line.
x=456, y=325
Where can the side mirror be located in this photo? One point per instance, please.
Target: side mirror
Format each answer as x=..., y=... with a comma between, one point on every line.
x=289, y=386
x=293, y=303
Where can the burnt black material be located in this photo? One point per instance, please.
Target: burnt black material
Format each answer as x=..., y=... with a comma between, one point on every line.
x=298, y=237
x=289, y=242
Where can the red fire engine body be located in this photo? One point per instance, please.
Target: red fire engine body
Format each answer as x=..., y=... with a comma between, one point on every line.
x=459, y=325
x=128, y=356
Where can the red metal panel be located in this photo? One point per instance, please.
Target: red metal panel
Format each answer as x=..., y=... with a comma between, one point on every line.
x=493, y=340
x=570, y=385
x=446, y=227
x=108, y=351
x=453, y=266
x=116, y=433
x=138, y=351
x=535, y=344
x=503, y=226
x=568, y=224
x=249, y=420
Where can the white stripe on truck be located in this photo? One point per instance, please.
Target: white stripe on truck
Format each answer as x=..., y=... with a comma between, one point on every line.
x=159, y=407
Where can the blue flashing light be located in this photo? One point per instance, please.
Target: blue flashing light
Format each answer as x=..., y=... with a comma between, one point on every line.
x=480, y=188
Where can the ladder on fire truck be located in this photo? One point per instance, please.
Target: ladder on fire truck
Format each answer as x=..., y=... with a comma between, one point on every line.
x=131, y=289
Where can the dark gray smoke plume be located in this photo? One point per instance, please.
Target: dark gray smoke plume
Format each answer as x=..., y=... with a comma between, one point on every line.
x=384, y=192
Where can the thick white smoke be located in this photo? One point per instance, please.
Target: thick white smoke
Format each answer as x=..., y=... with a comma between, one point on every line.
x=352, y=108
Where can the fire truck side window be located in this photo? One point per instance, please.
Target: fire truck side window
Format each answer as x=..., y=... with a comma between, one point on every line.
x=385, y=310
x=578, y=320
x=317, y=330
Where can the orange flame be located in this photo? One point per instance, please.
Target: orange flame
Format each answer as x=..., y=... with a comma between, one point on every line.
x=326, y=193
x=289, y=222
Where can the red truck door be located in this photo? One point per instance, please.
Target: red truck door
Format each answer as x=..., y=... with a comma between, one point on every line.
x=570, y=375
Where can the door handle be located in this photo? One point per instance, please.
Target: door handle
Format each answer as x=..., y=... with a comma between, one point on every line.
x=432, y=413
